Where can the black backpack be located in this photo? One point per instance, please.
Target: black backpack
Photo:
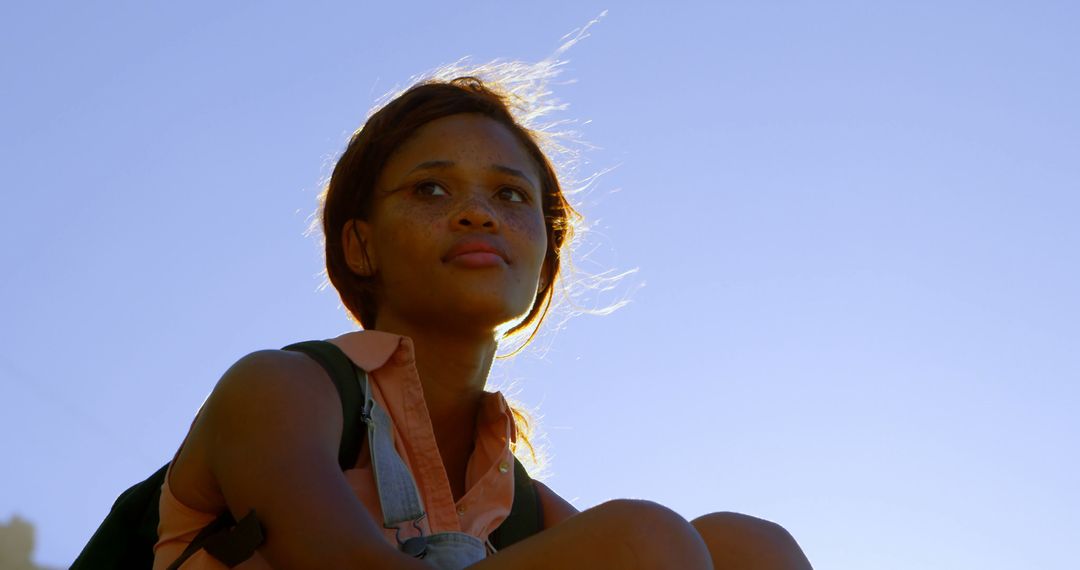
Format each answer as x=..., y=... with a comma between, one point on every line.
x=127, y=536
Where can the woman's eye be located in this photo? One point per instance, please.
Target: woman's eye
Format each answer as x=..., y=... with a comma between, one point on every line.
x=431, y=189
x=512, y=194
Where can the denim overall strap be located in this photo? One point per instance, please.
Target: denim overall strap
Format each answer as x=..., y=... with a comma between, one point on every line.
x=400, y=499
x=398, y=495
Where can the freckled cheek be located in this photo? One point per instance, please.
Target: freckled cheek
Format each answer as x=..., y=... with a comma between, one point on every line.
x=413, y=237
x=531, y=232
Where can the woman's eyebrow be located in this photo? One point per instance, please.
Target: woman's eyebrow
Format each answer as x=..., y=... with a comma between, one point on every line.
x=445, y=164
x=512, y=172
x=432, y=165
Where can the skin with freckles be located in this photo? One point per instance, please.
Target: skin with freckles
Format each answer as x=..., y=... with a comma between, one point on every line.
x=455, y=245
x=459, y=177
x=465, y=177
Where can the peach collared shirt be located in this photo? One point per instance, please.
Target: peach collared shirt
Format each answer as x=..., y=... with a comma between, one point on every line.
x=390, y=363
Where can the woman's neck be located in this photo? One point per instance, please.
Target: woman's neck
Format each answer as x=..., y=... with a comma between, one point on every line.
x=453, y=366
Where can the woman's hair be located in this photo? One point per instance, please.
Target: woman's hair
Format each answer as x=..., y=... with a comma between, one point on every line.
x=349, y=193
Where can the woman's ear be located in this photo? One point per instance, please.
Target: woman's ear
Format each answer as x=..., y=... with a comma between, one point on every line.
x=355, y=240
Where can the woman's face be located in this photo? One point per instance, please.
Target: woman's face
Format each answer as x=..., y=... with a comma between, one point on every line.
x=456, y=235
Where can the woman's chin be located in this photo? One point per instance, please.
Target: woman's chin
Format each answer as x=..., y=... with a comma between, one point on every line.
x=495, y=317
x=470, y=310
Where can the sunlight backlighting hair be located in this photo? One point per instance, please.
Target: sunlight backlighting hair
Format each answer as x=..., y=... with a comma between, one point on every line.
x=517, y=95
x=351, y=188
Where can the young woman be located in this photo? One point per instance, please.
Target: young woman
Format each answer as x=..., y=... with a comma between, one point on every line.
x=444, y=224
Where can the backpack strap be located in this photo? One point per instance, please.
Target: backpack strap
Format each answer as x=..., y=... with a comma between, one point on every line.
x=526, y=516
x=344, y=374
x=232, y=542
x=228, y=541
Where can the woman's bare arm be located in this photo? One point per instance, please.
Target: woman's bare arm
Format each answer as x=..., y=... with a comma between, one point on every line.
x=554, y=508
x=269, y=434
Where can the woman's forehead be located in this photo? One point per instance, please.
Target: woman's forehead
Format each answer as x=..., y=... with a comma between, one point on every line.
x=463, y=140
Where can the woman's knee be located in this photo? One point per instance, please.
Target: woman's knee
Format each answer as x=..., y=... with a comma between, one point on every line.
x=741, y=541
x=656, y=536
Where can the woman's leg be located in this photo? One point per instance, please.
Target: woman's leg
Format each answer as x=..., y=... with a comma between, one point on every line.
x=744, y=542
x=621, y=534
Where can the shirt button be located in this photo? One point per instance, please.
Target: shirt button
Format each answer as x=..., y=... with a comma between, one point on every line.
x=461, y=511
x=504, y=467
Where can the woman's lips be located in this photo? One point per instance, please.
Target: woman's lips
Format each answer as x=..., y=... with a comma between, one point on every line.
x=477, y=259
x=476, y=252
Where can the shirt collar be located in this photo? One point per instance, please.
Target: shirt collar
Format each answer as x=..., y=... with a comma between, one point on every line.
x=370, y=349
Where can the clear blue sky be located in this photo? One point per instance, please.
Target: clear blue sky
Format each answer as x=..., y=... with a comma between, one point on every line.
x=855, y=227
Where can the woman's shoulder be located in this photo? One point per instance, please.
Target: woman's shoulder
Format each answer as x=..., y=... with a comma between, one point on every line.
x=260, y=391
x=277, y=386
x=272, y=363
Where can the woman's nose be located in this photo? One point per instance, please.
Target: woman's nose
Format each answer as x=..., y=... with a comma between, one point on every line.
x=474, y=214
